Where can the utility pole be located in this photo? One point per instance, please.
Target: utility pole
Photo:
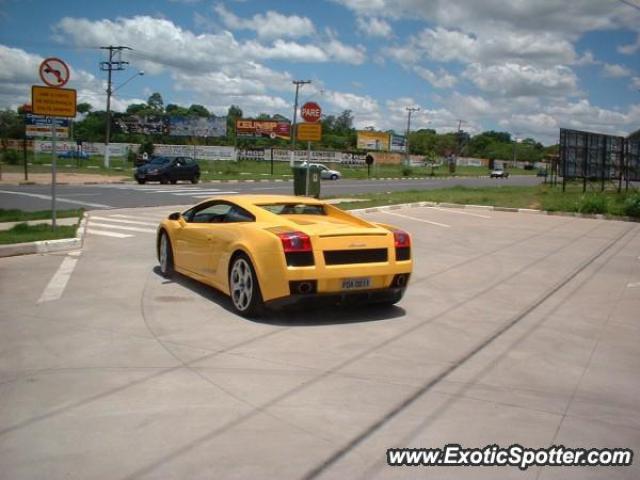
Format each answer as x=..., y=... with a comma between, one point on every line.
x=110, y=66
x=410, y=110
x=297, y=83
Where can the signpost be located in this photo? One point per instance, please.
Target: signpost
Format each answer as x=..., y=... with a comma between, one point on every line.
x=53, y=101
x=311, y=131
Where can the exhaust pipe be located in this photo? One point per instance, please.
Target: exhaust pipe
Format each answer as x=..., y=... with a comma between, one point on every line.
x=400, y=280
x=304, y=287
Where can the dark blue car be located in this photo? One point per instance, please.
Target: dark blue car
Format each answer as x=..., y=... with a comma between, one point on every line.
x=168, y=169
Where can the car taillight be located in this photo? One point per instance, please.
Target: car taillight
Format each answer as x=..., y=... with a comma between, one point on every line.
x=401, y=239
x=295, y=242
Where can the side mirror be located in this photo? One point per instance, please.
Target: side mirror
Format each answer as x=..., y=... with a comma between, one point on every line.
x=175, y=216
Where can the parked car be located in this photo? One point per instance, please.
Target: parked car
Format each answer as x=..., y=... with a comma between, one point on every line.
x=276, y=250
x=541, y=173
x=326, y=173
x=74, y=154
x=499, y=173
x=168, y=169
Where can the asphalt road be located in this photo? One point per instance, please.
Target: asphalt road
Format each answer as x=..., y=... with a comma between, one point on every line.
x=515, y=328
x=38, y=197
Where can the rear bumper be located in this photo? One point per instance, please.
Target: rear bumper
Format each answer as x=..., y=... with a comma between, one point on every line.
x=357, y=297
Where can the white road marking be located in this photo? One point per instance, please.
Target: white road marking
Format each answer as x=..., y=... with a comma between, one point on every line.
x=59, y=199
x=633, y=285
x=57, y=284
x=458, y=212
x=213, y=195
x=133, y=222
x=201, y=193
x=417, y=219
x=120, y=227
x=107, y=234
x=135, y=217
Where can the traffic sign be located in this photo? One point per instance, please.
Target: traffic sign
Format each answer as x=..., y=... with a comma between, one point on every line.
x=54, y=72
x=309, y=132
x=53, y=102
x=311, y=112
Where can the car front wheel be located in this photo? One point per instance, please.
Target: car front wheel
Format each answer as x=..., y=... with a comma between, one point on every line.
x=334, y=177
x=244, y=287
x=165, y=255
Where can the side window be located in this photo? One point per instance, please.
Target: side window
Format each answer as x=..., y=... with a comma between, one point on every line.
x=237, y=214
x=213, y=213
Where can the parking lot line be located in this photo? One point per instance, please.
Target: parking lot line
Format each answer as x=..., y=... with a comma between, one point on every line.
x=458, y=212
x=121, y=227
x=107, y=234
x=55, y=287
x=133, y=222
x=444, y=225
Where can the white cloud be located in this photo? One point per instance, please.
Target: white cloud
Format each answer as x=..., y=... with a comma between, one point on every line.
x=631, y=48
x=269, y=25
x=374, y=27
x=615, y=70
x=341, y=52
x=635, y=83
x=586, y=59
x=441, y=79
x=513, y=80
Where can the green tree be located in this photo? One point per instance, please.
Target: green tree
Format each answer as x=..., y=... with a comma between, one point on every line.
x=84, y=107
x=198, y=111
x=176, y=110
x=234, y=113
x=155, y=103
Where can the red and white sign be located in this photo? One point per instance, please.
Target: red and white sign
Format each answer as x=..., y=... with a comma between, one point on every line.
x=54, y=72
x=311, y=112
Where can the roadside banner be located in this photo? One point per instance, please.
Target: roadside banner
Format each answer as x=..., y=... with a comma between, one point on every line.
x=147, y=125
x=369, y=140
x=398, y=143
x=263, y=128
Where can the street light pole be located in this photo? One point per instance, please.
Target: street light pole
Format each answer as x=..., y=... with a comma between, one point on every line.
x=298, y=84
x=109, y=66
x=410, y=110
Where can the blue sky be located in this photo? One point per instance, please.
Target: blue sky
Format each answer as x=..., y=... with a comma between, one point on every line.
x=523, y=66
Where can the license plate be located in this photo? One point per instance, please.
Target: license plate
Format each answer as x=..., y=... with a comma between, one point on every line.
x=355, y=283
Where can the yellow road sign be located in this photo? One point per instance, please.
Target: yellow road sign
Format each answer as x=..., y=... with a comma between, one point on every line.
x=53, y=102
x=309, y=132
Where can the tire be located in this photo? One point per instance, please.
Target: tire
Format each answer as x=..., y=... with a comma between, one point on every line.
x=165, y=255
x=141, y=182
x=164, y=180
x=195, y=179
x=244, y=288
x=173, y=181
x=392, y=301
x=334, y=177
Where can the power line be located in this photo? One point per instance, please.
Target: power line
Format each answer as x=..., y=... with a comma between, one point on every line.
x=627, y=2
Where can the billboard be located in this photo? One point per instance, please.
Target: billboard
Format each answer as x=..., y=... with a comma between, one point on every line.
x=39, y=126
x=198, y=126
x=589, y=155
x=263, y=128
x=398, y=143
x=369, y=140
x=147, y=125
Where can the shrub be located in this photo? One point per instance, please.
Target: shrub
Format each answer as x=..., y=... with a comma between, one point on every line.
x=632, y=205
x=592, y=204
x=11, y=157
x=407, y=170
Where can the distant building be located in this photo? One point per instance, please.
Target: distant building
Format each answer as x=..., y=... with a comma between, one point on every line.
x=634, y=136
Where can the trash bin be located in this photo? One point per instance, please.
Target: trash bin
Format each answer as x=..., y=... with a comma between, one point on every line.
x=300, y=180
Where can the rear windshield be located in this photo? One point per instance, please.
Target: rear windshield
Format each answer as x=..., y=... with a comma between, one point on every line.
x=294, y=209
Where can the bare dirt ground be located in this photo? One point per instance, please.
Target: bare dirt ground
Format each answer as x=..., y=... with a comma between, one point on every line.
x=12, y=178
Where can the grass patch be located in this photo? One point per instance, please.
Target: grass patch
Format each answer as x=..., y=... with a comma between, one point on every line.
x=22, y=216
x=22, y=232
x=542, y=197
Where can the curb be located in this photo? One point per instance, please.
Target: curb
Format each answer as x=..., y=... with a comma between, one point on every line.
x=47, y=246
x=398, y=206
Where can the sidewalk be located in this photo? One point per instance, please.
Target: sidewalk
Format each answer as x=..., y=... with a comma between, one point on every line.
x=59, y=221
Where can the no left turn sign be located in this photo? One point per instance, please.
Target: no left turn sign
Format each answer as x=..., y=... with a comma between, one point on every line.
x=54, y=72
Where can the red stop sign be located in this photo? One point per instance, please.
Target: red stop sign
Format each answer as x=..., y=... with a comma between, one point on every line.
x=311, y=112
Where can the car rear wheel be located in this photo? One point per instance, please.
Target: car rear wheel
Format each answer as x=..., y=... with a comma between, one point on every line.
x=165, y=255
x=164, y=180
x=173, y=181
x=195, y=179
x=244, y=287
x=141, y=182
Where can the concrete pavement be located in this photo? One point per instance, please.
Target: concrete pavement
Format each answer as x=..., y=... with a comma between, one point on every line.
x=516, y=328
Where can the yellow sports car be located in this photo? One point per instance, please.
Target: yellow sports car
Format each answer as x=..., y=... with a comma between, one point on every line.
x=277, y=250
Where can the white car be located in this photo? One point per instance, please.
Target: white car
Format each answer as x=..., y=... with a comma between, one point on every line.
x=499, y=173
x=325, y=172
